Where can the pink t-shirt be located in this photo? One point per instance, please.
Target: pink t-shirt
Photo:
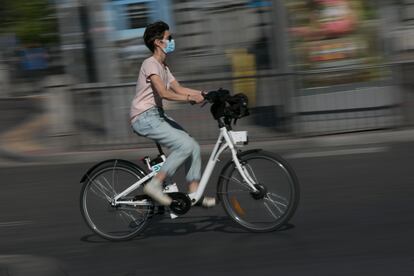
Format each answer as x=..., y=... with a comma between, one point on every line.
x=145, y=96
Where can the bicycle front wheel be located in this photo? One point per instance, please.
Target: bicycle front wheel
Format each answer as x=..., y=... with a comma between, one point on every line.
x=278, y=195
x=114, y=222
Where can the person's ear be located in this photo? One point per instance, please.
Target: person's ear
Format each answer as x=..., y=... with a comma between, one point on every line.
x=157, y=42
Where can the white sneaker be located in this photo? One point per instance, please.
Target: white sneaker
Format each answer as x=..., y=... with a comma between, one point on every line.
x=154, y=190
x=208, y=202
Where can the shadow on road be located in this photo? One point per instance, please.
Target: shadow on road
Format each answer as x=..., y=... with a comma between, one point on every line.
x=160, y=226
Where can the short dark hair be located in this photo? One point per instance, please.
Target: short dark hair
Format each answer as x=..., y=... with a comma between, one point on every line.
x=154, y=31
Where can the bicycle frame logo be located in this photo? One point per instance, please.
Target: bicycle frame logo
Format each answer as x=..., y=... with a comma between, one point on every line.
x=156, y=168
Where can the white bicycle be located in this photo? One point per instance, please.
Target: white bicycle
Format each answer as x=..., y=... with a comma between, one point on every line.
x=258, y=189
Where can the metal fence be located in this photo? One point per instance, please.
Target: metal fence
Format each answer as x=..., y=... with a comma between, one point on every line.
x=280, y=107
x=349, y=107
x=101, y=112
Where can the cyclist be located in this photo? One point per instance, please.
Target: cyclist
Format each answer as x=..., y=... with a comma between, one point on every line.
x=156, y=83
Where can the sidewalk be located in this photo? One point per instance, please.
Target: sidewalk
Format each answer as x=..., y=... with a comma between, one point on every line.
x=281, y=145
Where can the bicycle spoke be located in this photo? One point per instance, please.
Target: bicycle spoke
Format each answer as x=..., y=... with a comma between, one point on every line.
x=274, y=203
x=100, y=195
x=235, y=180
x=121, y=215
x=113, y=173
x=284, y=204
x=102, y=189
x=129, y=215
x=234, y=191
x=270, y=210
x=132, y=219
x=109, y=185
x=252, y=174
x=232, y=179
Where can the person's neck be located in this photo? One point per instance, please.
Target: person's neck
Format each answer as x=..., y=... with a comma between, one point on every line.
x=160, y=56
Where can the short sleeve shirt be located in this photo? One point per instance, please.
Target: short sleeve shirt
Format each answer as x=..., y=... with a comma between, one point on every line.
x=145, y=97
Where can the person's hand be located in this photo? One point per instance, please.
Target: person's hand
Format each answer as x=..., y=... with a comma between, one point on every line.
x=196, y=98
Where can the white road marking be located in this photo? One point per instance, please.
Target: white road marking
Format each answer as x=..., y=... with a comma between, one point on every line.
x=15, y=223
x=336, y=152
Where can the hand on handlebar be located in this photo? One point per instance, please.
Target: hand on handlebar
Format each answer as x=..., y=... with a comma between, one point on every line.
x=216, y=96
x=195, y=99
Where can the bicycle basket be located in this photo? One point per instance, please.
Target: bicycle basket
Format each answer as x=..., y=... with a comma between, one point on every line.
x=237, y=106
x=229, y=107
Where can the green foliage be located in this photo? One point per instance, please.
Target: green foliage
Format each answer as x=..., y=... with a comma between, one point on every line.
x=32, y=21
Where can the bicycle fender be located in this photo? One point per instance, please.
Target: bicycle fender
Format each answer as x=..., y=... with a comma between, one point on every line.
x=243, y=153
x=91, y=169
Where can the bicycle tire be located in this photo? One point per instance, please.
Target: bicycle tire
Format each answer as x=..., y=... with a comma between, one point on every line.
x=101, y=193
x=239, y=212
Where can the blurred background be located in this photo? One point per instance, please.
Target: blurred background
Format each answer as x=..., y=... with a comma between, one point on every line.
x=68, y=67
x=313, y=70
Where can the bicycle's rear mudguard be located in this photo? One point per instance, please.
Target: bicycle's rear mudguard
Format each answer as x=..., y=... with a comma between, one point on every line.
x=120, y=161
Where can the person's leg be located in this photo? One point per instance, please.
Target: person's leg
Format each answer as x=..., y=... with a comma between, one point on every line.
x=205, y=201
x=193, y=175
x=148, y=125
x=177, y=141
x=154, y=189
x=180, y=147
x=193, y=168
x=183, y=147
x=193, y=162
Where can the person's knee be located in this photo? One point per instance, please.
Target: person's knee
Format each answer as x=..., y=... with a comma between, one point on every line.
x=186, y=149
x=190, y=147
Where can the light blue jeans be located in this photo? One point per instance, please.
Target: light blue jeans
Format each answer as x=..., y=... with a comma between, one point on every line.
x=155, y=125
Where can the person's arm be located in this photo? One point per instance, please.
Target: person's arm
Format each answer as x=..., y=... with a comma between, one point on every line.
x=167, y=94
x=177, y=88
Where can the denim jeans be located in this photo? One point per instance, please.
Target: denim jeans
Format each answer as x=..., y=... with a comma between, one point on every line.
x=155, y=125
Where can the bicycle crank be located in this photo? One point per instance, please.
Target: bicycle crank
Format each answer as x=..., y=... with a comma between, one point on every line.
x=180, y=204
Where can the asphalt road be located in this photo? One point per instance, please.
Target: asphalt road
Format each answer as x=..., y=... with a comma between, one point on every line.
x=355, y=218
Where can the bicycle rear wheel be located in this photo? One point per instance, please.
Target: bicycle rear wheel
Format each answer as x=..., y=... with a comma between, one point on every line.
x=120, y=222
x=277, y=200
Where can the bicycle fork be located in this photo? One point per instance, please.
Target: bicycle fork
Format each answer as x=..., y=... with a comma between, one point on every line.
x=245, y=174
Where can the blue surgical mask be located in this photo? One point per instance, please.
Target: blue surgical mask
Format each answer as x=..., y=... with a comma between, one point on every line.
x=170, y=46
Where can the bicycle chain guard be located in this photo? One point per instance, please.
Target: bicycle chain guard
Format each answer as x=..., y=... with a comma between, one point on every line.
x=181, y=203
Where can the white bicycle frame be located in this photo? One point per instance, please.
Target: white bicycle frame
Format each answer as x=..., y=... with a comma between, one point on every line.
x=224, y=141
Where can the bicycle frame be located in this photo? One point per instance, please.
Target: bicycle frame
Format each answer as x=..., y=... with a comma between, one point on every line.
x=224, y=141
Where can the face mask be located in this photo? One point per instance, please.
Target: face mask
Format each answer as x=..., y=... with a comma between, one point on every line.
x=170, y=46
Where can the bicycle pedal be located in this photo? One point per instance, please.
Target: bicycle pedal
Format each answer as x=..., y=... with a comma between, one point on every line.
x=173, y=216
x=171, y=188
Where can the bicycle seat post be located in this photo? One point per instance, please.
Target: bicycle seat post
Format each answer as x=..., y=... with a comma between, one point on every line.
x=159, y=149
